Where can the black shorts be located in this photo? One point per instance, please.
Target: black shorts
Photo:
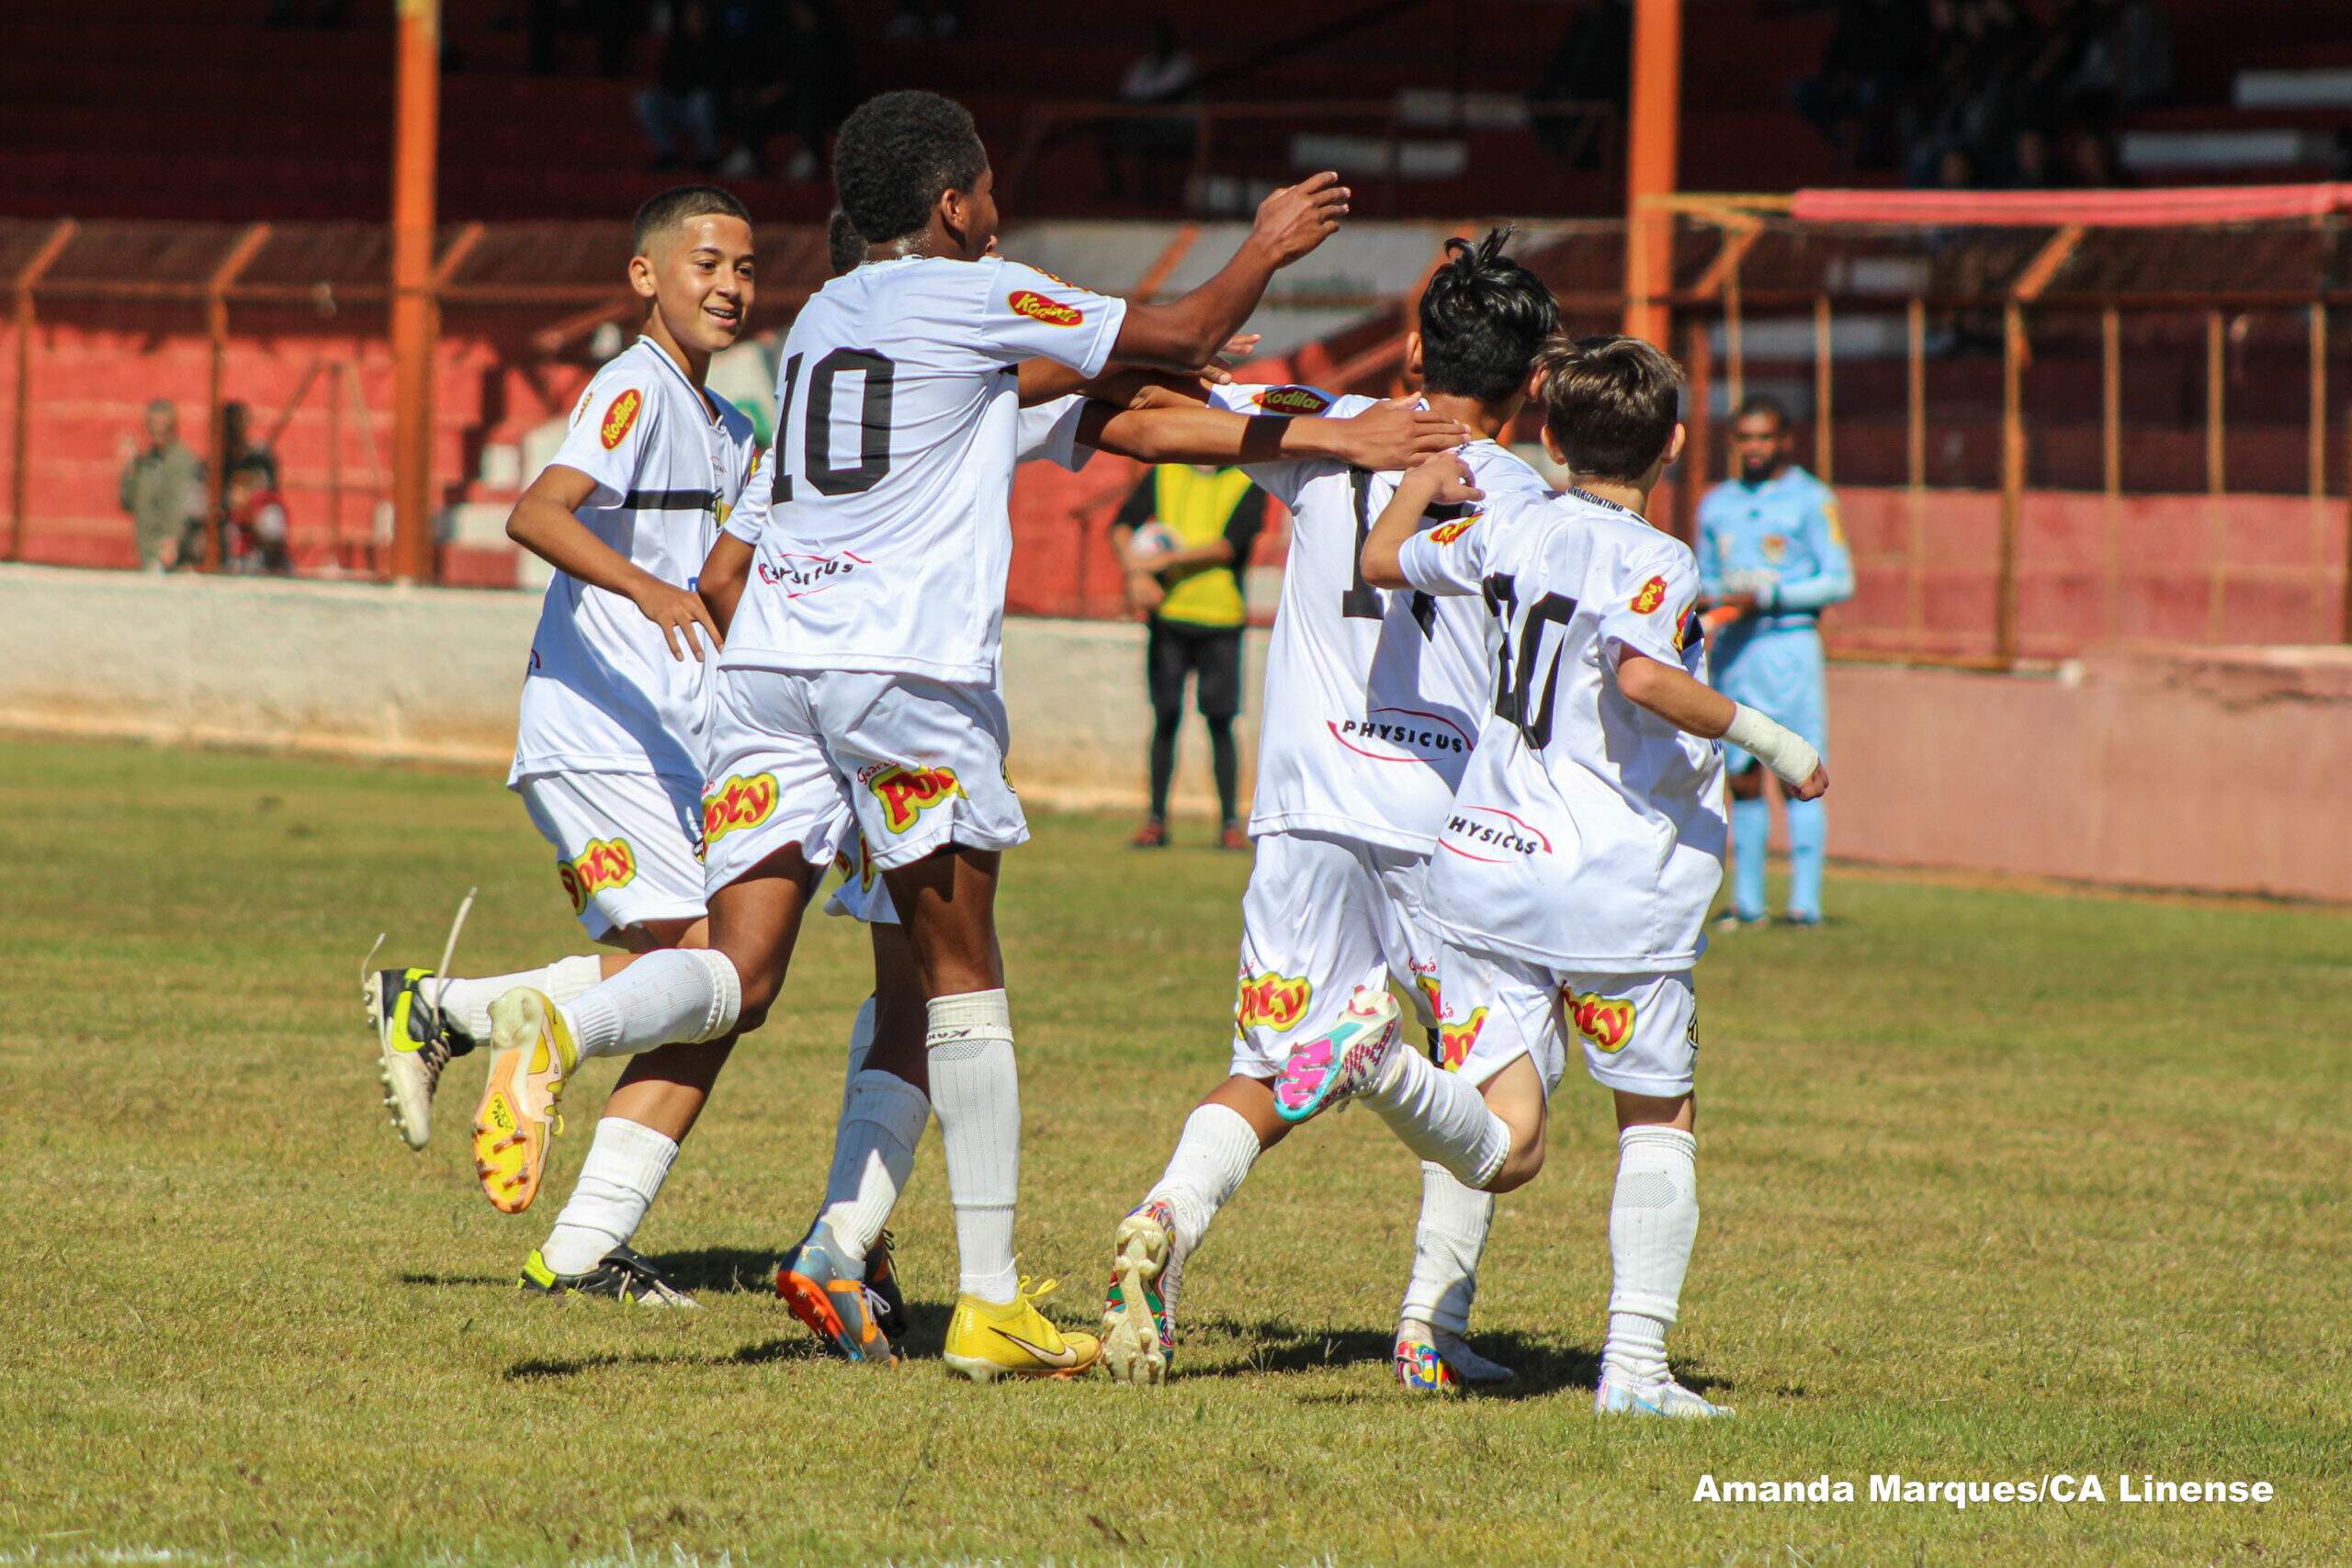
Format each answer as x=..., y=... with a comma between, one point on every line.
x=1214, y=653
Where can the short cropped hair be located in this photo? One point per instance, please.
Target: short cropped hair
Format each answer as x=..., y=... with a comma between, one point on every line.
x=1760, y=402
x=1483, y=319
x=1610, y=404
x=896, y=154
x=844, y=246
x=676, y=206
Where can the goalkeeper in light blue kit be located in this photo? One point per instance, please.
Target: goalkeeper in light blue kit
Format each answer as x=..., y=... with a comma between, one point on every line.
x=1773, y=556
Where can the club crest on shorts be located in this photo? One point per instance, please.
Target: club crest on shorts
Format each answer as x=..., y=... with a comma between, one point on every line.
x=1607, y=1022
x=1274, y=1001
x=739, y=802
x=619, y=417
x=1038, y=308
x=906, y=792
x=1652, y=595
x=604, y=862
x=1446, y=532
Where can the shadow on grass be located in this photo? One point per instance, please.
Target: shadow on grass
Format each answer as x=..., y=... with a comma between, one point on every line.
x=756, y=1355
x=1544, y=1366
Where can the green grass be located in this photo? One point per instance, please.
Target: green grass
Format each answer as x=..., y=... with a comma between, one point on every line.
x=1996, y=1183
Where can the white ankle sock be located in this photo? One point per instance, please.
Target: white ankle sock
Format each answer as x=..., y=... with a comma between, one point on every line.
x=861, y=1041
x=976, y=1093
x=1213, y=1155
x=679, y=996
x=1441, y=1118
x=624, y=1170
x=1447, y=1244
x=1653, y=1220
x=468, y=1001
x=873, y=1148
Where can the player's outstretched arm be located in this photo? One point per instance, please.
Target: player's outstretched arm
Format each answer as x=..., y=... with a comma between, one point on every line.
x=720, y=584
x=1695, y=706
x=1186, y=333
x=1043, y=380
x=545, y=522
x=1393, y=435
x=1440, y=480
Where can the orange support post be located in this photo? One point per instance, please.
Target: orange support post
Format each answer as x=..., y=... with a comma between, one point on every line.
x=416, y=112
x=21, y=438
x=1656, y=118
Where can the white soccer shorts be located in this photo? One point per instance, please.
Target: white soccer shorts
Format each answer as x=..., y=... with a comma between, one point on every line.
x=1322, y=916
x=628, y=846
x=1640, y=1033
x=819, y=759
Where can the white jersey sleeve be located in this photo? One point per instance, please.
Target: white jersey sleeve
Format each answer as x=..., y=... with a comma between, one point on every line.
x=1028, y=314
x=1049, y=433
x=618, y=421
x=1285, y=480
x=749, y=513
x=1650, y=604
x=1450, y=559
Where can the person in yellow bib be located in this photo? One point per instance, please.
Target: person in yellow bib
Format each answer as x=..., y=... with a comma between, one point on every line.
x=1184, y=537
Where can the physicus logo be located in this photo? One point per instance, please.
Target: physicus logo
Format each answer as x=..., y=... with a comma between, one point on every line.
x=1607, y=1023
x=906, y=792
x=619, y=417
x=1037, y=307
x=1401, y=735
x=1491, y=834
x=1292, y=400
x=738, y=803
x=1274, y=1001
x=1652, y=595
x=1446, y=532
x=605, y=862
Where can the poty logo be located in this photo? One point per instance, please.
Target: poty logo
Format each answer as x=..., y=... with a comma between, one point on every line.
x=1607, y=1023
x=1446, y=532
x=1456, y=1041
x=1402, y=734
x=1037, y=307
x=739, y=802
x=1491, y=834
x=605, y=862
x=619, y=417
x=1274, y=1001
x=860, y=869
x=1652, y=595
x=906, y=792
x=1293, y=399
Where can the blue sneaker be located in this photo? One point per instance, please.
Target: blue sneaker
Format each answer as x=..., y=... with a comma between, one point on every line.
x=828, y=1293
x=1668, y=1399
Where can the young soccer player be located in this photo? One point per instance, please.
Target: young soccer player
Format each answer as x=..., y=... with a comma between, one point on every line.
x=1584, y=843
x=1372, y=704
x=856, y=697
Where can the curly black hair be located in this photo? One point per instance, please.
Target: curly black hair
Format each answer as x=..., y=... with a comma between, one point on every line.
x=1483, y=319
x=676, y=206
x=896, y=154
x=844, y=246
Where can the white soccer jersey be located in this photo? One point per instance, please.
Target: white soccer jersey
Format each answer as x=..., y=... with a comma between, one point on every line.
x=1373, y=699
x=1588, y=833
x=603, y=693
x=897, y=427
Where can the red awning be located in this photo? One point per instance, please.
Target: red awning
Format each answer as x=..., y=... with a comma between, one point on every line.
x=2093, y=209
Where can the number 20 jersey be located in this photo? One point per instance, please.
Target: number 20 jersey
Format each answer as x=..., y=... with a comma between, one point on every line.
x=888, y=541
x=1372, y=698
x=1588, y=833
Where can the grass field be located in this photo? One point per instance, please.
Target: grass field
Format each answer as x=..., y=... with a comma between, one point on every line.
x=1996, y=1183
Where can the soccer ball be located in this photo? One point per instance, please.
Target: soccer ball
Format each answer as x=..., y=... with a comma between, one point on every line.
x=1151, y=541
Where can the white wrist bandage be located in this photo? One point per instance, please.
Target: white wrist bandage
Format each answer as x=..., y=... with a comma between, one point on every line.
x=1790, y=756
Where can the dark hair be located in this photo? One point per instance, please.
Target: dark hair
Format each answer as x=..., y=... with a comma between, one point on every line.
x=896, y=154
x=1483, y=319
x=675, y=205
x=844, y=246
x=1609, y=402
x=1760, y=402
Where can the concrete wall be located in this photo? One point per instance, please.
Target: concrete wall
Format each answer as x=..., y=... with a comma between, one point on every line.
x=2213, y=768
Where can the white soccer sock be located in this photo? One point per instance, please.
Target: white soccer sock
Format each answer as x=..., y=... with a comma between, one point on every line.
x=1212, y=1154
x=874, y=1149
x=976, y=1093
x=1447, y=1244
x=1653, y=1219
x=678, y=996
x=1441, y=1118
x=468, y=1001
x=624, y=1170
x=860, y=1042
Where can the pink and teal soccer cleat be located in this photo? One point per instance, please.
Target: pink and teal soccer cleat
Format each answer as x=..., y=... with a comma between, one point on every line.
x=1139, y=1310
x=1344, y=1064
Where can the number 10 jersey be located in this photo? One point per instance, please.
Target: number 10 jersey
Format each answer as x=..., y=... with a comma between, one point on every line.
x=888, y=542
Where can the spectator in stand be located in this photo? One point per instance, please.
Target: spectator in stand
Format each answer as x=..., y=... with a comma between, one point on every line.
x=805, y=89
x=1163, y=74
x=256, y=531
x=1592, y=62
x=680, y=112
x=1184, y=537
x=1877, y=48
x=163, y=489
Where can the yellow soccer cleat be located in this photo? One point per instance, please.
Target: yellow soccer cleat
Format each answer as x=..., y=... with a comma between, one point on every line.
x=987, y=1340
x=534, y=1056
